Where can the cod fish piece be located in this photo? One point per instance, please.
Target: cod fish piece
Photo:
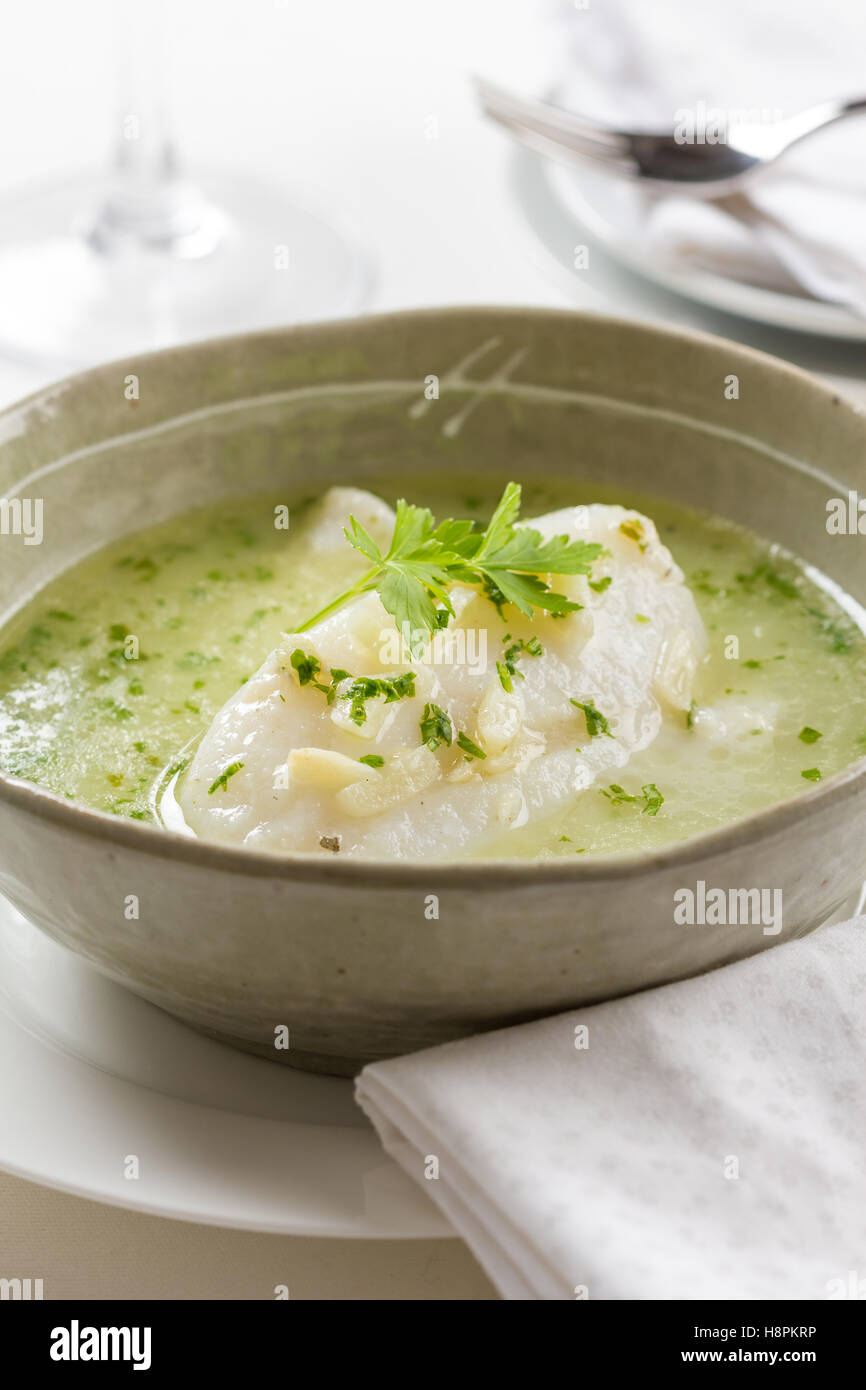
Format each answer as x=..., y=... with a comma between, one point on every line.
x=588, y=691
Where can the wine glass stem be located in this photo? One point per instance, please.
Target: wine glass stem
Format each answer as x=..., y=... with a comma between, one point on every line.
x=147, y=200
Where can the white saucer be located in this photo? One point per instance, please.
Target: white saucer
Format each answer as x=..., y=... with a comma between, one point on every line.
x=92, y=1074
x=609, y=211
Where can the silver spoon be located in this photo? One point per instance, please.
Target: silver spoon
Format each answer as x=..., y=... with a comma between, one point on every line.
x=705, y=167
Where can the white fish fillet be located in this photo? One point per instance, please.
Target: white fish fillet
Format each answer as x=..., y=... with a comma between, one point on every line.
x=633, y=650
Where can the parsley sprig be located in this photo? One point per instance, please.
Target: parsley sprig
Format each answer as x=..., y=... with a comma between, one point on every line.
x=506, y=561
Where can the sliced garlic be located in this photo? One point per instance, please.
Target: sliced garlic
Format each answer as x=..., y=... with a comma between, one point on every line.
x=656, y=556
x=460, y=772
x=321, y=767
x=675, y=671
x=524, y=750
x=406, y=773
x=499, y=719
x=511, y=808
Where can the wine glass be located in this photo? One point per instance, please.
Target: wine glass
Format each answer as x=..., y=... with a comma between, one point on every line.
x=148, y=257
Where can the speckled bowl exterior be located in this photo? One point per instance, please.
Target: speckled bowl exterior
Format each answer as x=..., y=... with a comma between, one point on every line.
x=343, y=953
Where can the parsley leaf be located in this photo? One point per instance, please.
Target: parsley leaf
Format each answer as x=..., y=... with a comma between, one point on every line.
x=424, y=559
x=807, y=735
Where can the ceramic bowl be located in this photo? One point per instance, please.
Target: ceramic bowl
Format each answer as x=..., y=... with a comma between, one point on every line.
x=240, y=943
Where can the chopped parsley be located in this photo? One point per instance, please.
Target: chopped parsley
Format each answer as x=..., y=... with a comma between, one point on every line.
x=507, y=667
x=653, y=799
x=596, y=722
x=115, y=710
x=436, y=727
x=364, y=688
x=223, y=780
x=811, y=774
x=840, y=634
x=505, y=677
x=372, y=760
x=599, y=585
x=337, y=675
x=307, y=667
x=765, y=572
x=650, y=796
x=633, y=529
x=808, y=735
x=469, y=748
x=531, y=646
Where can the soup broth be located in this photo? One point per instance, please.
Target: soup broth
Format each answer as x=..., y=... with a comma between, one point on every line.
x=111, y=675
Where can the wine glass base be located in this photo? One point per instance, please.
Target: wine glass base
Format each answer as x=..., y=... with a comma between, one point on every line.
x=71, y=296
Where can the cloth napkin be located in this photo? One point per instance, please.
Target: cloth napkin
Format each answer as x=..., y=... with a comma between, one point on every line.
x=799, y=228
x=708, y=1141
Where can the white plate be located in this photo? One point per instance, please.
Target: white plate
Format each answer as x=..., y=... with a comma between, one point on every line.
x=91, y=1074
x=609, y=210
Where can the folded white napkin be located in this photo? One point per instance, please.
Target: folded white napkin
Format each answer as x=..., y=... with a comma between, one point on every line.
x=708, y=1141
x=801, y=227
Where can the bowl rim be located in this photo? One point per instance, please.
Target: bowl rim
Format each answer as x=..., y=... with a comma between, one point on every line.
x=768, y=823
